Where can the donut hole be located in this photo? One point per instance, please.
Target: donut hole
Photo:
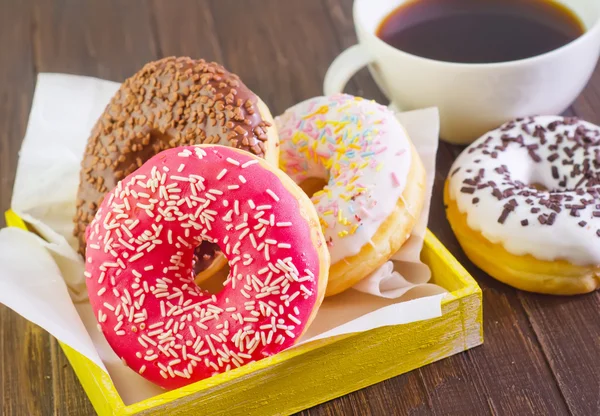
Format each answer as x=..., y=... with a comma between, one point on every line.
x=214, y=283
x=205, y=255
x=210, y=267
x=539, y=186
x=209, y=261
x=542, y=177
x=310, y=186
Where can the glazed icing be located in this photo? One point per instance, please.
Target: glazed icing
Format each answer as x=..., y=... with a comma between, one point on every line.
x=139, y=273
x=491, y=181
x=361, y=150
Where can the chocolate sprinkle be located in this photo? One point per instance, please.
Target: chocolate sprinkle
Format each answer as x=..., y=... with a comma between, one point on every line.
x=504, y=215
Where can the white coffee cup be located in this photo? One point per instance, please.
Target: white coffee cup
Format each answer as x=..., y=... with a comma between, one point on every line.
x=472, y=98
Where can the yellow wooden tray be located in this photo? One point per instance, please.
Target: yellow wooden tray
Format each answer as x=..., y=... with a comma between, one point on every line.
x=316, y=372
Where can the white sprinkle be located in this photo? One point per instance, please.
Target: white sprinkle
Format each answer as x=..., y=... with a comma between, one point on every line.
x=284, y=245
x=210, y=344
x=233, y=187
x=149, y=340
x=142, y=342
x=101, y=317
x=249, y=163
x=126, y=244
x=142, y=369
x=236, y=248
x=101, y=291
x=182, y=241
x=135, y=257
x=294, y=319
x=193, y=357
x=143, y=246
x=133, y=224
x=156, y=332
x=233, y=161
x=109, y=306
x=273, y=195
x=244, y=233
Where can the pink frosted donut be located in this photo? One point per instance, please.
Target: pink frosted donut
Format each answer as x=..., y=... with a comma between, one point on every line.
x=139, y=265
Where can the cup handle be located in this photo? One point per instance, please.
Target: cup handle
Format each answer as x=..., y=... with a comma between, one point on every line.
x=344, y=67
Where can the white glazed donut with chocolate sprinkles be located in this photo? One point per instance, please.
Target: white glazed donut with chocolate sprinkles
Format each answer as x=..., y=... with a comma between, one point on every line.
x=139, y=264
x=524, y=202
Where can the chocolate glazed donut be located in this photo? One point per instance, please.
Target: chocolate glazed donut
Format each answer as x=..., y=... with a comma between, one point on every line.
x=168, y=103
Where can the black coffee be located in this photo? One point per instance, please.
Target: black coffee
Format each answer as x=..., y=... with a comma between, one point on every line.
x=480, y=31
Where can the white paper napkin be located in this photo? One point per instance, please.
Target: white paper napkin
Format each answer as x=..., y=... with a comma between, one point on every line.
x=40, y=276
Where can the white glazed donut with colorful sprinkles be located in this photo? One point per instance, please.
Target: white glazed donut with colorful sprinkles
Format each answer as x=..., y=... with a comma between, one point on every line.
x=375, y=179
x=139, y=269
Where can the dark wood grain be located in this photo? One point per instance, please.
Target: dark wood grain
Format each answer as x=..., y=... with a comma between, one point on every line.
x=25, y=357
x=17, y=78
x=568, y=329
x=109, y=39
x=540, y=354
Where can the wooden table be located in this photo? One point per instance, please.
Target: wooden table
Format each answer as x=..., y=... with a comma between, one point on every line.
x=541, y=354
